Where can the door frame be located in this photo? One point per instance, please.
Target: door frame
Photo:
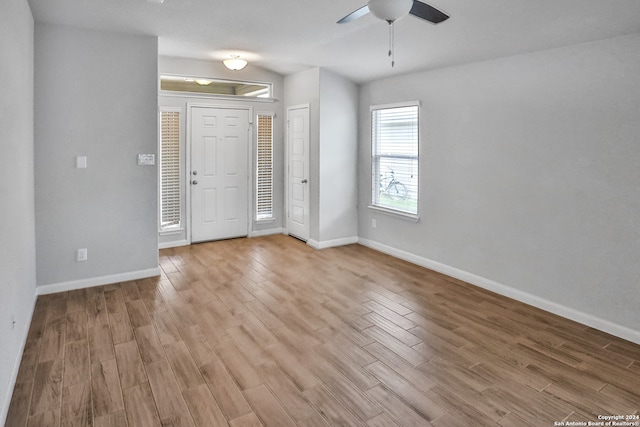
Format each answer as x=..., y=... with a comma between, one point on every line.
x=187, y=172
x=286, y=167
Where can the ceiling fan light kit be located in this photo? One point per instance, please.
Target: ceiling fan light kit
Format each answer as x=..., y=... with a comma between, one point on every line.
x=392, y=10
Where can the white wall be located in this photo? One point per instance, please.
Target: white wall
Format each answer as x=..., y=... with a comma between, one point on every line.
x=338, y=216
x=95, y=96
x=529, y=177
x=215, y=69
x=17, y=234
x=333, y=107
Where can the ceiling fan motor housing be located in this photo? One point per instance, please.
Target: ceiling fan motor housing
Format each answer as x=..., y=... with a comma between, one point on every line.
x=390, y=10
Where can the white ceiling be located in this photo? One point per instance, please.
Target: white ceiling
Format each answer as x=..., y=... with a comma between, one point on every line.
x=291, y=35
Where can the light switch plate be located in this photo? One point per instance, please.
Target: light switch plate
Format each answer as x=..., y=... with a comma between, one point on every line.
x=146, y=159
x=81, y=255
x=81, y=162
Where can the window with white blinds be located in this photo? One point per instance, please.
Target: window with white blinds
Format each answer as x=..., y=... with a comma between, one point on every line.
x=394, y=159
x=264, y=173
x=169, y=170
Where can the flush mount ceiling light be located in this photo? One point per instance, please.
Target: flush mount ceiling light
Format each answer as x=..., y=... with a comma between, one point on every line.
x=204, y=82
x=235, y=63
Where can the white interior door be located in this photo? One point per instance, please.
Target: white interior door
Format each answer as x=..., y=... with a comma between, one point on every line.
x=219, y=173
x=298, y=172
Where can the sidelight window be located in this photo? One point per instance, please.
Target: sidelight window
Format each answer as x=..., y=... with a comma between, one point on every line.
x=264, y=172
x=169, y=170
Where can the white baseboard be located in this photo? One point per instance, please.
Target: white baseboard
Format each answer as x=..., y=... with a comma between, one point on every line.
x=313, y=243
x=516, y=294
x=174, y=244
x=16, y=364
x=96, y=281
x=332, y=243
x=267, y=232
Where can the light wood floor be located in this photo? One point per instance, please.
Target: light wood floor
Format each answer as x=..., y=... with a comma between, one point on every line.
x=268, y=331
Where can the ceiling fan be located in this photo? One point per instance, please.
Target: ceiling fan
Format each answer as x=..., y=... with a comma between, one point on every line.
x=393, y=10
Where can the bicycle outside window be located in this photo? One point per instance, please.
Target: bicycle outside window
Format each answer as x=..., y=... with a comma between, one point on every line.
x=395, y=157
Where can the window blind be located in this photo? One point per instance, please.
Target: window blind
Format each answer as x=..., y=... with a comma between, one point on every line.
x=170, y=169
x=264, y=175
x=394, y=164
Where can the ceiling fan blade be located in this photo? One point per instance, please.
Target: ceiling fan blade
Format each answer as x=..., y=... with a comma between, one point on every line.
x=427, y=12
x=355, y=15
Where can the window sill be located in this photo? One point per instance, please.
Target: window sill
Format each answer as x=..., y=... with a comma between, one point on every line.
x=398, y=214
x=265, y=220
x=171, y=231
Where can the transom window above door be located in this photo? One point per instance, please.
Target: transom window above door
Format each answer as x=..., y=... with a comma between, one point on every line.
x=215, y=87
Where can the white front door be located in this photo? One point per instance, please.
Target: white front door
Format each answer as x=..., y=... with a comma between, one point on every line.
x=219, y=173
x=298, y=171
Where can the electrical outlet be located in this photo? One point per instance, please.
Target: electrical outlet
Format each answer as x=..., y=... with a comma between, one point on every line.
x=81, y=255
x=373, y=223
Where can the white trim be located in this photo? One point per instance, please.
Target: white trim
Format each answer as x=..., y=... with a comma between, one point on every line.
x=187, y=170
x=395, y=105
x=332, y=243
x=215, y=97
x=286, y=168
x=251, y=172
x=266, y=113
x=16, y=364
x=96, y=281
x=265, y=220
x=267, y=232
x=173, y=244
x=587, y=319
x=396, y=213
x=173, y=232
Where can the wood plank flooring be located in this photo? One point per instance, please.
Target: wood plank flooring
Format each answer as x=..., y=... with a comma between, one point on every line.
x=267, y=331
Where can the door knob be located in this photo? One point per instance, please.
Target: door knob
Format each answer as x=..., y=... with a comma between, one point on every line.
x=195, y=173
x=194, y=182
x=304, y=181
